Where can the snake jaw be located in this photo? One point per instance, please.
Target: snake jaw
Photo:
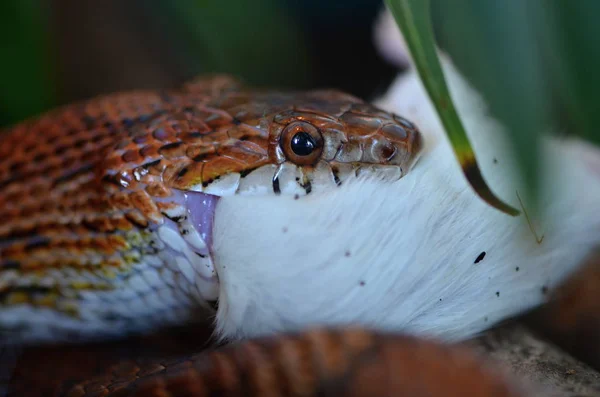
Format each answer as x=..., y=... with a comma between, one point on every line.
x=188, y=232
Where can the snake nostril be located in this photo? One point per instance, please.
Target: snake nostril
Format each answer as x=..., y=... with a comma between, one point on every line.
x=386, y=151
x=381, y=151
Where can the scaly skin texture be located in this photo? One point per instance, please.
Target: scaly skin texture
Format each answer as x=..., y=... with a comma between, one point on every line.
x=341, y=363
x=85, y=189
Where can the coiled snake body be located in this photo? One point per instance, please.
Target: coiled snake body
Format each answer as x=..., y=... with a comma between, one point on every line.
x=107, y=209
x=108, y=204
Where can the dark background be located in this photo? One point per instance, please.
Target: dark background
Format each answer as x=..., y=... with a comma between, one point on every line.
x=58, y=51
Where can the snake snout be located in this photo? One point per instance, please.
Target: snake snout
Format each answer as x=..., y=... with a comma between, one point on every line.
x=379, y=138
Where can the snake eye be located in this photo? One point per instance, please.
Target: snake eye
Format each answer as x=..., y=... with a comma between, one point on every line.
x=302, y=143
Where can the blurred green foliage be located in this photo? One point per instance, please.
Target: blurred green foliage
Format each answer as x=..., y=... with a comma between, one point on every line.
x=574, y=53
x=414, y=19
x=51, y=51
x=533, y=61
x=494, y=44
x=254, y=39
x=27, y=83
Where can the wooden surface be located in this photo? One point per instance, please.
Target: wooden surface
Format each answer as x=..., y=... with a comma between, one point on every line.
x=538, y=363
x=557, y=346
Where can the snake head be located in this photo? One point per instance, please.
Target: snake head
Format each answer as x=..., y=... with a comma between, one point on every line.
x=307, y=141
x=210, y=141
x=253, y=142
x=331, y=136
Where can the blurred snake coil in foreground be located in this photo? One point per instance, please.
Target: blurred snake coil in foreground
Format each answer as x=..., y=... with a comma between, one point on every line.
x=349, y=362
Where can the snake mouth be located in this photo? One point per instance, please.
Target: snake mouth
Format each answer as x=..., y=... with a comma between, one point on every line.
x=200, y=208
x=184, y=242
x=289, y=179
x=188, y=229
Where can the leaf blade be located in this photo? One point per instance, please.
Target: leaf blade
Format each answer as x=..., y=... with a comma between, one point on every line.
x=413, y=18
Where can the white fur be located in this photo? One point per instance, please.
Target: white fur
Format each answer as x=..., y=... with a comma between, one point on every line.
x=389, y=40
x=400, y=256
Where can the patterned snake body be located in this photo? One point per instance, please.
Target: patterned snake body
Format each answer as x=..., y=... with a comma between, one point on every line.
x=108, y=204
x=350, y=362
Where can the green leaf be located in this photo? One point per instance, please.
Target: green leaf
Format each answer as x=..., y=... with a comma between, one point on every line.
x=575, y=51
x=414, y=19
x=498, y=47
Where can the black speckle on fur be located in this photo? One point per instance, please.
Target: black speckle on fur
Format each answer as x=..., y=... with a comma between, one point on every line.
x=480, y=257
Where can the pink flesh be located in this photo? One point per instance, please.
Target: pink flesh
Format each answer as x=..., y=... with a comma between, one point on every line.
x=201, y=210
